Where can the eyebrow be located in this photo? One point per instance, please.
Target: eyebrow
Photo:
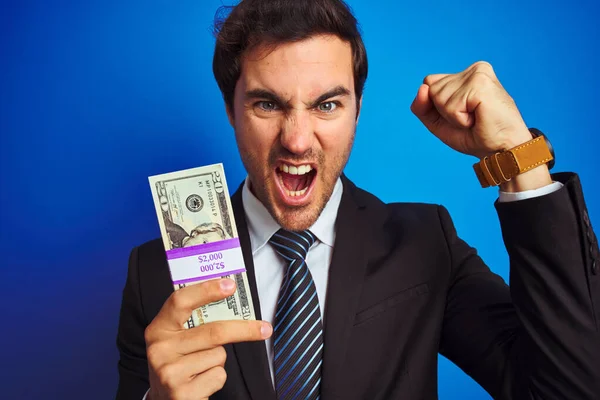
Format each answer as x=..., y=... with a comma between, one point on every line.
x=336, y=91
x=265, y=95
x=270, y=96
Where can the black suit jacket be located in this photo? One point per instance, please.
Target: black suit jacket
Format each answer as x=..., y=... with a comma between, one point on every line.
x=403, y=287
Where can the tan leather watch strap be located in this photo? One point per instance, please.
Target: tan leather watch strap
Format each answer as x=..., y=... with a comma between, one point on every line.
x=503, y=166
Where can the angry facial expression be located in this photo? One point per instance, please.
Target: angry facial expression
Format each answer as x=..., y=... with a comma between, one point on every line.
x=295, y=115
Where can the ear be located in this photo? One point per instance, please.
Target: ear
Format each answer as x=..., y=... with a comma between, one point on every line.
x=359, y=108
x=230, y=116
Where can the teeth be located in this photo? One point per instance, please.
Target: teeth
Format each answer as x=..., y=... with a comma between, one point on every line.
x=294, y=193
x=292, y=169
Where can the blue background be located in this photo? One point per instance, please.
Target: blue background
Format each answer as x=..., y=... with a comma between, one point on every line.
x=95, y=96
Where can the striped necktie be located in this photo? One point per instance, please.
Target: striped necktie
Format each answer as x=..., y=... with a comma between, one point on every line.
x=298, y=332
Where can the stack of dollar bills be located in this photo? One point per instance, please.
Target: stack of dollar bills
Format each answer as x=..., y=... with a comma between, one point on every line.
x=200, y=238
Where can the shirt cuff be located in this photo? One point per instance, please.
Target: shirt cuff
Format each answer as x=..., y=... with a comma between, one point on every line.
x=506, y=197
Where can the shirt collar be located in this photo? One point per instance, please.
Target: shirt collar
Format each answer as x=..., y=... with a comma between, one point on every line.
x=261, y=225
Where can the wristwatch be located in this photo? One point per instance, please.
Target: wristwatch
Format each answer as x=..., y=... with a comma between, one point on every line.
x=537, y=133
x=501, y=167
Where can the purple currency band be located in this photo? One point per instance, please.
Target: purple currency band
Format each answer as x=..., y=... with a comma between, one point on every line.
x=206, y=277
x=203, y=248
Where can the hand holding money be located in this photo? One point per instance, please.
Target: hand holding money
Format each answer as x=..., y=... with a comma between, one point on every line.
x=189, y=363
x=198, y=229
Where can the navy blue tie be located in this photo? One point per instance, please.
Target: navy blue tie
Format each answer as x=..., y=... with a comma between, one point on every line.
x=298, y=331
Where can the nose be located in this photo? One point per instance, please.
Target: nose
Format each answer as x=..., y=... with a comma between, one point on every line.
x=297, y=134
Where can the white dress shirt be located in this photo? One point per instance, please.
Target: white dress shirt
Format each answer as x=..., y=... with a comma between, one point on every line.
x=269, y=267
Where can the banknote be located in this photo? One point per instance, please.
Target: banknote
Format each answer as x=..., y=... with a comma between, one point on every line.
x=200, y=238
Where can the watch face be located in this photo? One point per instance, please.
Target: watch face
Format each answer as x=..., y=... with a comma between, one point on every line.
x=535, y=133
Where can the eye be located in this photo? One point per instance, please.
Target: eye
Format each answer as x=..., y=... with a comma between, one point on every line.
x=328, y=106
x=267, y=106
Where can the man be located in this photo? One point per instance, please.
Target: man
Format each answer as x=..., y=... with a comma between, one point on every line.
x=357, y=296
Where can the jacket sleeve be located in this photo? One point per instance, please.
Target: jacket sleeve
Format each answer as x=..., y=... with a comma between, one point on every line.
x=538, y=338
x=133, y=364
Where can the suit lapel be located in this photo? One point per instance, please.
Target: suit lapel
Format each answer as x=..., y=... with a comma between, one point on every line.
x=346, y=274
x=251, y=356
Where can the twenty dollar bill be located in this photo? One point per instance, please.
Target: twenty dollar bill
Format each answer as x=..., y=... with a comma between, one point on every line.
x=200, y=238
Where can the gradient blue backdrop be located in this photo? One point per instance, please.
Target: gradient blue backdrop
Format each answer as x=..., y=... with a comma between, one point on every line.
x=95, y=96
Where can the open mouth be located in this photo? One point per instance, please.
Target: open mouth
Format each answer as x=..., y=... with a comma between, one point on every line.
x=295, y=182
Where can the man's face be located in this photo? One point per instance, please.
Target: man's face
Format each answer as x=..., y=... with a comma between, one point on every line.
x=295, y=116
x=202, y=235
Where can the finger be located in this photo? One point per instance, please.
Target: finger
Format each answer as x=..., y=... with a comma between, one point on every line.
x=451, y=103
x=482, y=67
x=439, y=84
x=442, y=90
x=218, y=333
x=449, y=97
x=433, y=78
x=444, y=85
x=179, y=306
x=203, y=385
x=424, y=109
x=184, y=369
x=457, y=111
x=202, y=361
x=421, y=103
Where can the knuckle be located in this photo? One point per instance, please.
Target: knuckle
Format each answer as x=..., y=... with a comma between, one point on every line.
x=454, y=106
x=166, y=376
x=169, y=373
x=149, y=334
x=480, y=79
x=453, y=111
x=483, y=66
x=216, y=333
x=153, y=352
x=179, y=300
x=221, y=355
x=248, y=330
x=220, y=376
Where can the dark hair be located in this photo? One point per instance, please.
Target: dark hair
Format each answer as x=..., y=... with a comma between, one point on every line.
x=272, y=22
